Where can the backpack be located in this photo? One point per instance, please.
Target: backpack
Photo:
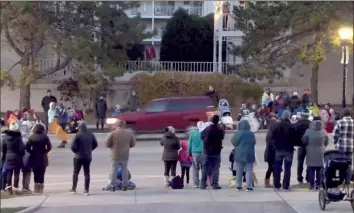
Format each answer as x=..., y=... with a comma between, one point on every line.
x=176, y=183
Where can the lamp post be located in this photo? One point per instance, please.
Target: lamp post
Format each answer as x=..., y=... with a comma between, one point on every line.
x=346, y=35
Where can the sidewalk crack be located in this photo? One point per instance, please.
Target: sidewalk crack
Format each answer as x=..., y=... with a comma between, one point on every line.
x=211, y=195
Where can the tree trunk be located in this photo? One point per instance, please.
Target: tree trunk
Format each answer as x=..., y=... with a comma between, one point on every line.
x=25, y=96
x=314, y=83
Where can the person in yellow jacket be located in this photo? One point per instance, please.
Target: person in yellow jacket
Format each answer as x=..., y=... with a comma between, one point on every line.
x=314, y=110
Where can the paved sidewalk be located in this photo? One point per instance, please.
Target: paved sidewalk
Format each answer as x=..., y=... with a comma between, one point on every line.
x=193, y=200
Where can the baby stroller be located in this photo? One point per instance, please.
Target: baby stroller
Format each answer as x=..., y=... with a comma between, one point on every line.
x=225, y=114
x=335, y=179
x=74, y=118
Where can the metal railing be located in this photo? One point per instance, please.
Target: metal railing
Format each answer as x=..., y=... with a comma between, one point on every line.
x=149, y=66
x=161, y=11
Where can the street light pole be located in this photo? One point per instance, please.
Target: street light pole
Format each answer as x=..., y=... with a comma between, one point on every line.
x=344, y=101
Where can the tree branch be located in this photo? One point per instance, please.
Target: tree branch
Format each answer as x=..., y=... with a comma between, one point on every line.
x=52, y=70
x=11, y=42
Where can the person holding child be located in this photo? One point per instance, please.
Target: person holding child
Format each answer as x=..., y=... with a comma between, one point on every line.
x=315, y=140
x=171, y=145
x=244, y=142
x=195, y=149
x=185, y=161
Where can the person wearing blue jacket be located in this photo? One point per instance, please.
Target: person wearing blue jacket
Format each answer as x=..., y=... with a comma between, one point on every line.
x=62, y=119
x=195, y=149
x=244, y=142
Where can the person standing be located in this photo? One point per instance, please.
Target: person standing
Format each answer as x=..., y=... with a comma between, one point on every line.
x=269, y=153
x=305, y=99
x=195, y=149
x=38, y=145
x=301, y=126
x=82, y=146
x=244, y=142
x=120, y=141
x=213, y=95
x=185, y=161
x=13, y=149
x=212, y=137
x=100, y=112
x=343, y=134
x=283, y=137
x=46, y=100
x=315, y=141
x=62, y=120
x=171, y=145
x=328, y=116
x=133, y=102
x=295, y=102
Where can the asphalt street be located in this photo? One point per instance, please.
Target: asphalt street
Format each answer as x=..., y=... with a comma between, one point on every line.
x=150, y=196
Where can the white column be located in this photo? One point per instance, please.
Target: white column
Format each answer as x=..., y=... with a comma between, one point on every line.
x=214, y=54
x=220, y=53
x=153, y=21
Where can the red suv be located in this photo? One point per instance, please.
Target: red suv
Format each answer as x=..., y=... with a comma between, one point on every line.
x=179, y=112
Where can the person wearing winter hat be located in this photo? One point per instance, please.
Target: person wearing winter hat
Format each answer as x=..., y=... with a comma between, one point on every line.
x=301, y=126
x=14, y=149
x=171, y=145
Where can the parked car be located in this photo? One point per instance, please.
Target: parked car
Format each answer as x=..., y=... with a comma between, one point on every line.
x=179, y=112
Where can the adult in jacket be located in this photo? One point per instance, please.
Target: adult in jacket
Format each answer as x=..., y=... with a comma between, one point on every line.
x=38, y=145
x=283, y=137
x=315, y=141
x=120, y=141
x=83, y=143
x=171, y=145
x=13, y=149
x=212, y=137
x=301, y=126
x=46, y=100
x=269, y=153
x=295, y=101
x=100, y=112
x=213, y=95
x=244, y=142
x=305, y=99
x=133, y=102
x=62, y=120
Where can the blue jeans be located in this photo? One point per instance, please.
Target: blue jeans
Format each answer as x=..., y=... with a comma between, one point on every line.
x=210, y=164
x=315, y=172
x=244, y=167
x=287, y=158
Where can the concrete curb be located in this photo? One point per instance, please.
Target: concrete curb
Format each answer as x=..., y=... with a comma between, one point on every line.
x=34, y=208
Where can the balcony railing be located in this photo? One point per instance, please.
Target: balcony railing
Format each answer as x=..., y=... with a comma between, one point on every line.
x=163, y=11
x=150, y=66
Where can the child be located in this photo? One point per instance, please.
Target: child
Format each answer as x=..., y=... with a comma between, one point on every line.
x=185, y=161
x=116, y=111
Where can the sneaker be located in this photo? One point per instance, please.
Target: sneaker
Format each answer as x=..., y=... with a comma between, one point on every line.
x=196, y=186
x=317, y=188
x=239, y=188
x=276, y=189
x=216, y=187
x=286, y=190
x=124, y=188
x=86, y=193
x=72, y=191
x=249, y=190
x=202, y=188
x=187, y=185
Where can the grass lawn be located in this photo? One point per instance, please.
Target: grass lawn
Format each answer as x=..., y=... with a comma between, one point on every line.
x=12, y=210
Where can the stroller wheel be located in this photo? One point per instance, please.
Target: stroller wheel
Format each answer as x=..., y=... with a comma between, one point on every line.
x=322, y=200
x=352, y=199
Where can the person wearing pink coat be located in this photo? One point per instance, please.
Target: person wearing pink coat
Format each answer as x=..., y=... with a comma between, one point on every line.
x=185, y=161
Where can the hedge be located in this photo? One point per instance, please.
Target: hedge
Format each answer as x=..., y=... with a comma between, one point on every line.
x=172, y=84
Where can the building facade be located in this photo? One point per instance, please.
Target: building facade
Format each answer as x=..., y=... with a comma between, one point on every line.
x=155, y=15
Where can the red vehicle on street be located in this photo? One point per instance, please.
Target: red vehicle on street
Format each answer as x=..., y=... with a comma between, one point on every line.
x=179, y=112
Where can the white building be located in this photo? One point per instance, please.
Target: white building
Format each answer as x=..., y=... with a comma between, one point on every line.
x=155, y=15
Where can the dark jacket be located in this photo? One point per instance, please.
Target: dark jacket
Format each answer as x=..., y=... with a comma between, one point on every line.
x=38, y=146
x=269, y=153
x=295, y=101
x=244, y=142
x=100, y=108
x=13, y=149
x=214, y=97
x=284, y=136
x=305, y=100
x=46, y=100
x=315, y=140
x=212, y=137
x=62, y=116
x=83, y=143
x=301, y=126
x=171, y=146
x=133, y=103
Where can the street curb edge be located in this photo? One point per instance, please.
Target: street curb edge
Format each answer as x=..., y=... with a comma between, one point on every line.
x=34, y=208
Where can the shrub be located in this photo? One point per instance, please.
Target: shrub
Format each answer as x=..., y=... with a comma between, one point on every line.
x=169, y=84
